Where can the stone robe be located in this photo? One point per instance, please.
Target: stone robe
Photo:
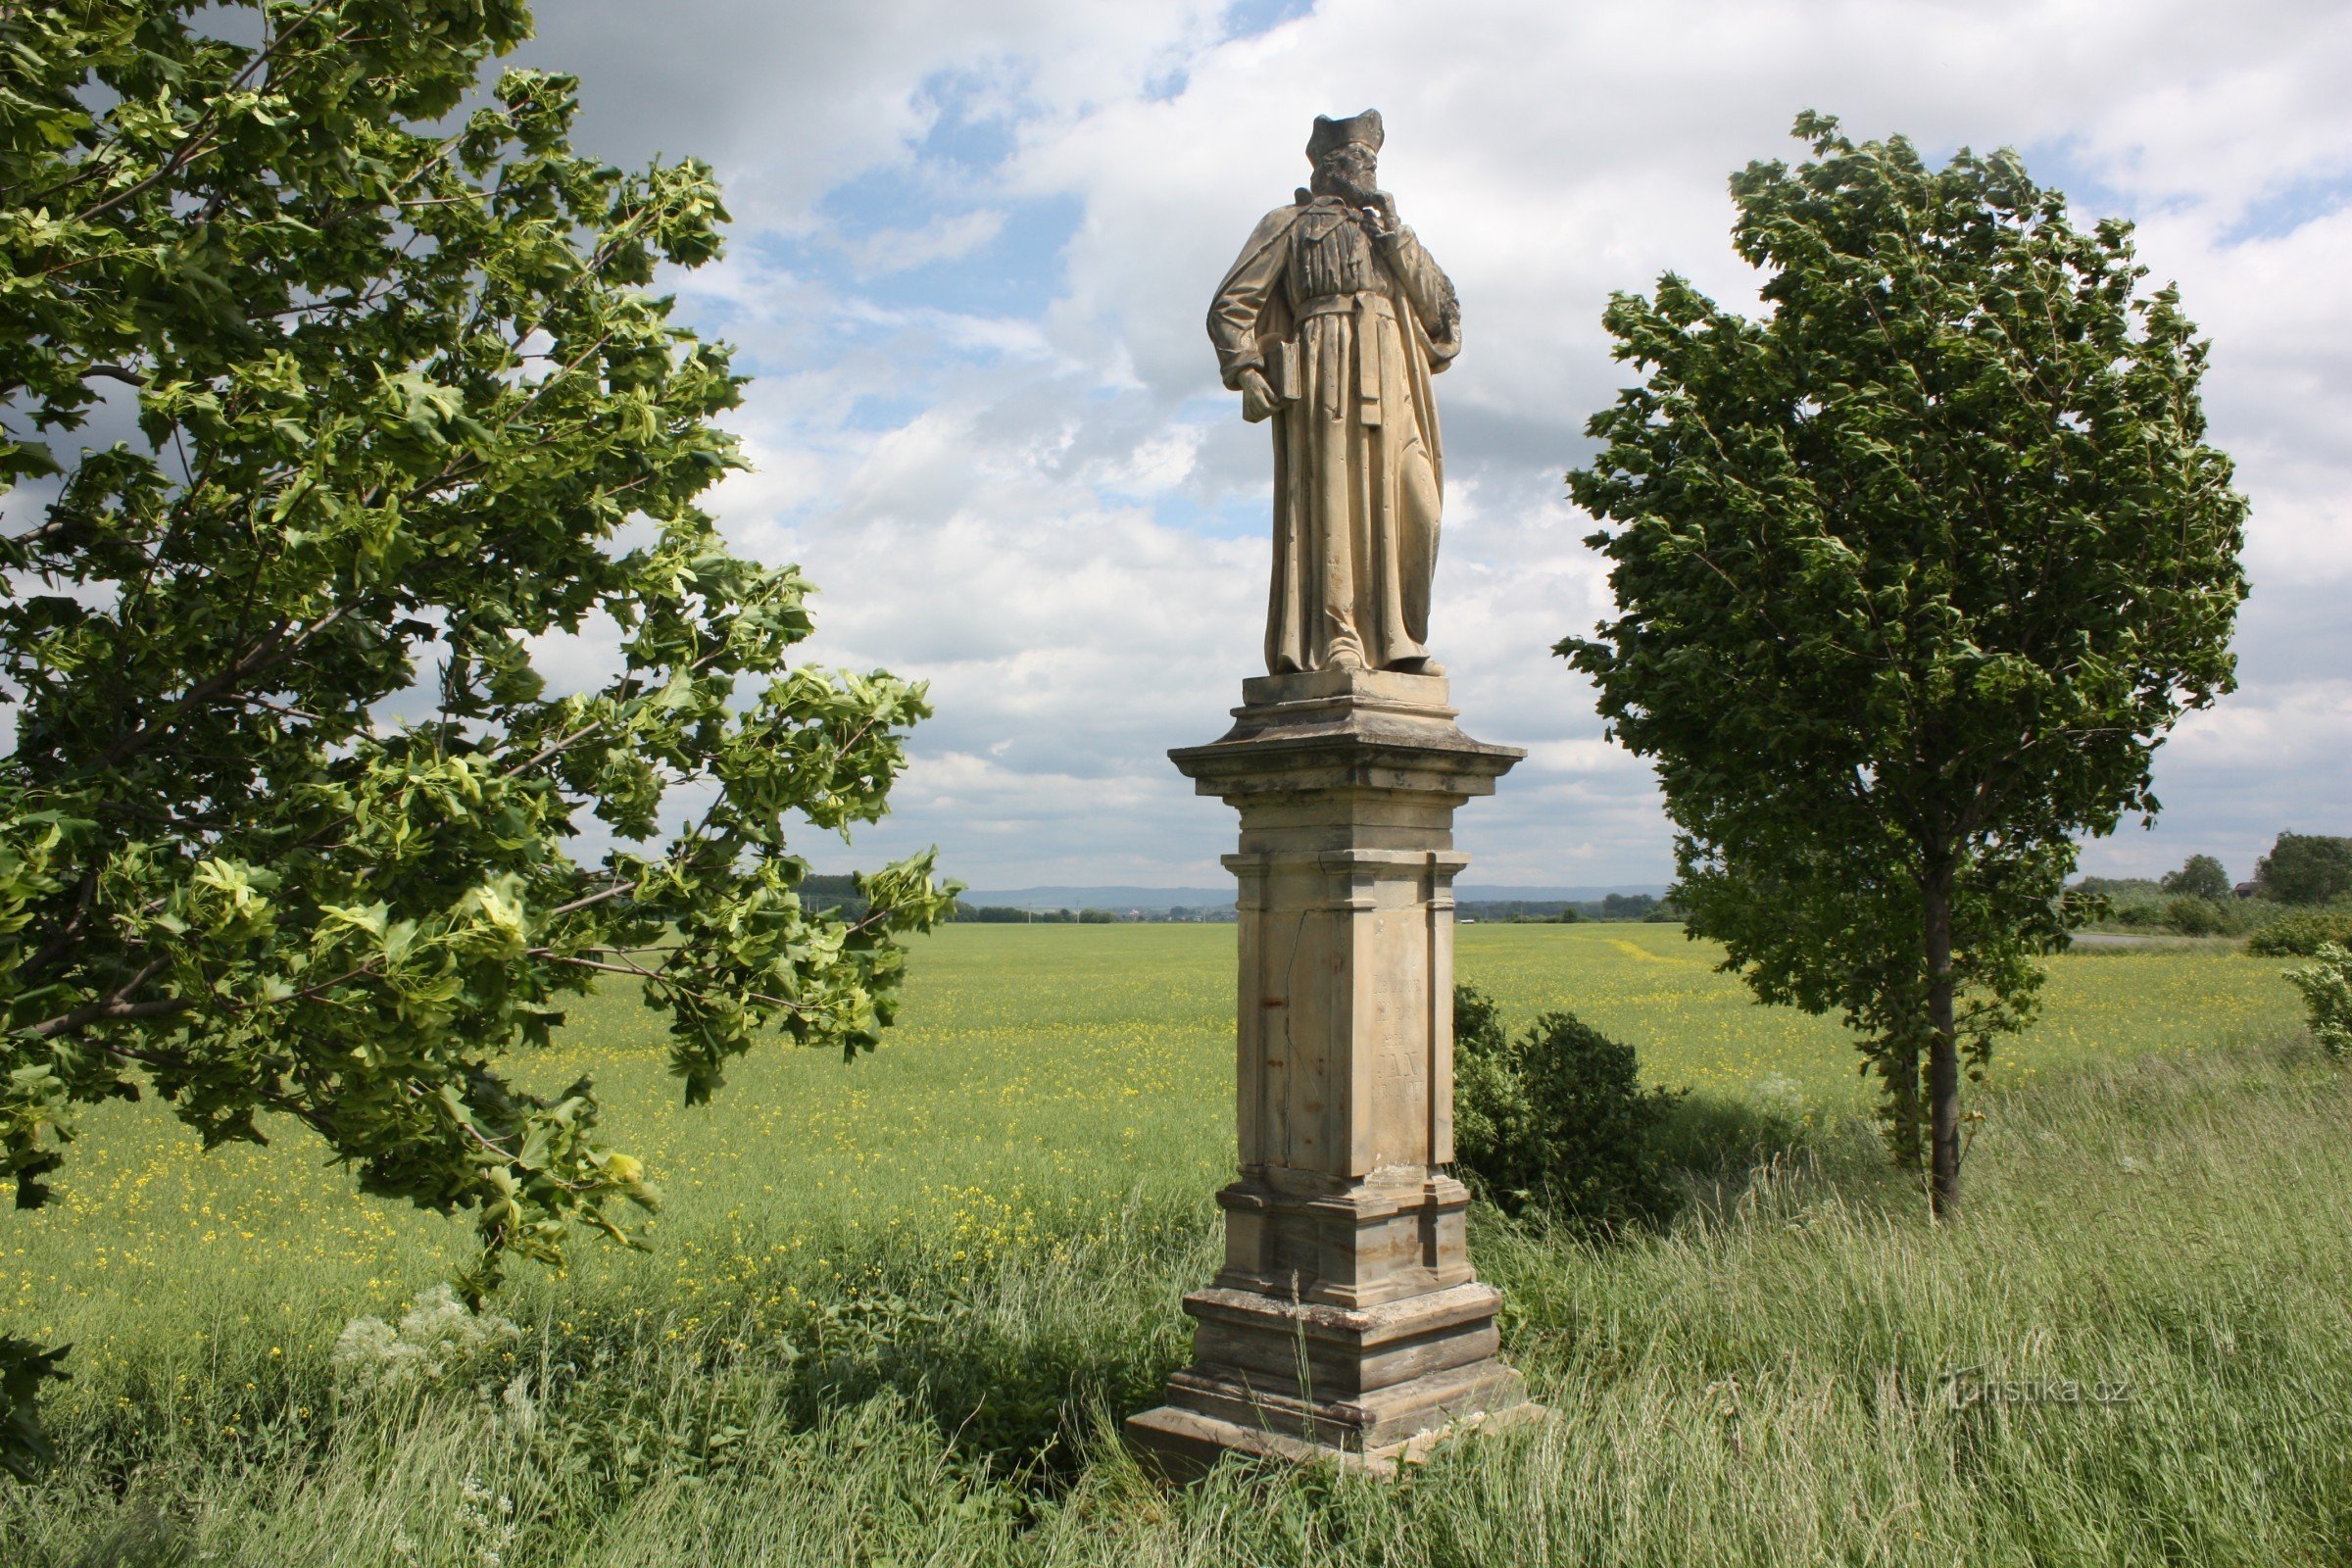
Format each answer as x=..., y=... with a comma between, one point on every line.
x=1348, y=325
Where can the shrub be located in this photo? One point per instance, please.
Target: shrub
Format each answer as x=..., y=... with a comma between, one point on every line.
x=1478, y=1032
x=1556, y=1120
x=2301, y=936
x=2192, y=916
x=2327, y=987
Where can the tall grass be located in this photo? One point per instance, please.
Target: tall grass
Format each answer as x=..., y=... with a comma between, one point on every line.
x=2135, y=1344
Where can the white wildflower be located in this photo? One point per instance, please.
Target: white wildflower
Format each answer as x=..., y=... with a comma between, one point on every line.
x=520, y=1412
x=436, y=1338
x=1779, y=1095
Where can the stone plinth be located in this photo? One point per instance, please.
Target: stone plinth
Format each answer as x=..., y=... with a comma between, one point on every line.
x=1346, y=1320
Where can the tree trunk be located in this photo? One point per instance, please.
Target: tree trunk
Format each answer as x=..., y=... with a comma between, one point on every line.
x=1900, y=1072
x=1943, y=1053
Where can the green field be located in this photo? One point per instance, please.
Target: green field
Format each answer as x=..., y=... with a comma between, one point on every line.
x=890, y=1304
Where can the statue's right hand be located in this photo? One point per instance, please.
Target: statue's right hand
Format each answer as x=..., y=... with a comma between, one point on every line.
x=1257, y=397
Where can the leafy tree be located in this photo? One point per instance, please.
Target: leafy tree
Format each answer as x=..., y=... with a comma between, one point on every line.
x=291, y=823
x=1913, y=575
x=2200, y=876
x=2306, y=869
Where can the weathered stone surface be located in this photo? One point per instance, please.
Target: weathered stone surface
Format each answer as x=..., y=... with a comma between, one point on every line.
x=1346, y=1319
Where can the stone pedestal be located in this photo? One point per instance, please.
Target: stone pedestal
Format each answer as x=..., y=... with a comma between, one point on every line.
x=1346, y=1320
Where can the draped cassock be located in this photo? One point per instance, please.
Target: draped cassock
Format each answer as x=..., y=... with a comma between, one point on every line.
x=1348, y=325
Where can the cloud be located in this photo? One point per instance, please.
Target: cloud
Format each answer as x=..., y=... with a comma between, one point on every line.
x=788, y=101
x=944, y=239
x=975, y=244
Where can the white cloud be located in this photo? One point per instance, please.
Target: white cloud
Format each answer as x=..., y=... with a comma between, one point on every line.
x=1049, y=511
x=943, y=239
x=786, y=101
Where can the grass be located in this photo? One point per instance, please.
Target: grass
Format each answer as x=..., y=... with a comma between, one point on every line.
x=893, y=1307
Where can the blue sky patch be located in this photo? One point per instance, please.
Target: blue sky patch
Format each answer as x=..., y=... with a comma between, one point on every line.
x=1246, y=19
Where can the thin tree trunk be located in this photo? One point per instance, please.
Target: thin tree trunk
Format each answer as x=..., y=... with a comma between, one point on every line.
x=1900, y=1071
x=1943, y=1053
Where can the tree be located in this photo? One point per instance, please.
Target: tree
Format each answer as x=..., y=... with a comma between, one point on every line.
x=1912, y=576
x=2200, y=876
x=2306, y=869
x=292, y=825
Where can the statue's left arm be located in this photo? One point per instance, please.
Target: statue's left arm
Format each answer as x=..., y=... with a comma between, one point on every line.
x=1429, y=291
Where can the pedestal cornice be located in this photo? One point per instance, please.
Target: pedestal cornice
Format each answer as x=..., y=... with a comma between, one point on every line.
x=1346, y=730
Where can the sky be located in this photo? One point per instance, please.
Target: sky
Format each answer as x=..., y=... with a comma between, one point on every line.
x=974, y=243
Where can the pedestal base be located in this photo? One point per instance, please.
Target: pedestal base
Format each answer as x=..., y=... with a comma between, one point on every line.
x=1184, y=1446
x=1299, y=1378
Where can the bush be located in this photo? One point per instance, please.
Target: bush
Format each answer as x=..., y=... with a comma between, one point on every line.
x=2192, y=916
x=2301, y=936
x=1556, y=1120
x=2326, y=988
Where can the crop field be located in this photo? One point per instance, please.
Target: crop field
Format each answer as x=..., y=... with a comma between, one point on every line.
x=890, y=1305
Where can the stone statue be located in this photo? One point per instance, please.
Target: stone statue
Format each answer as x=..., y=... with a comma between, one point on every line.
x=1346, y=1321
x=1330, y=323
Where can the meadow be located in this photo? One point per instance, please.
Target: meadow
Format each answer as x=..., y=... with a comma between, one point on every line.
x=893, y=1307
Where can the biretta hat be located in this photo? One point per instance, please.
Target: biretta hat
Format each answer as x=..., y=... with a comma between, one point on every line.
x=1331, y=135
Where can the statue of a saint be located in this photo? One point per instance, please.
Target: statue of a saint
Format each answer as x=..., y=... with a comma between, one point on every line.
x=1330, y=323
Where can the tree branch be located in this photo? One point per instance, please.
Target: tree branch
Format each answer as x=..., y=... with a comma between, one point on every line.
x=112, y=1009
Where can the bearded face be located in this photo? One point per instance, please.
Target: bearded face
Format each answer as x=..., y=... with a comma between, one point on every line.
x=1350, y=172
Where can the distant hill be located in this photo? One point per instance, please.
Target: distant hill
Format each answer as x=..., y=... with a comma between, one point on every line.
x=1131, y=898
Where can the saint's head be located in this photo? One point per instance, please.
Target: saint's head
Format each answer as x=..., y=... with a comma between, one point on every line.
x=1344, y=152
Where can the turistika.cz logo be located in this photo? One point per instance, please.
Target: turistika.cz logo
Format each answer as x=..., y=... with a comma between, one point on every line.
x=1969, y=1386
